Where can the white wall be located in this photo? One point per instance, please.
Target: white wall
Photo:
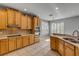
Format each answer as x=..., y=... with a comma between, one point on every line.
x=70, y=24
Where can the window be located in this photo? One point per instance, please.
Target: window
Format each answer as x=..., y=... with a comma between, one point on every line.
x=58, y=28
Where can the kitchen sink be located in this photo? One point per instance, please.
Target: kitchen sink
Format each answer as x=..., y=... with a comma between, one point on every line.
x=72, y=40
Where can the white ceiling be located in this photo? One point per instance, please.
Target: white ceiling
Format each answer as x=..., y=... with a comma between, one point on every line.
x=43, y=10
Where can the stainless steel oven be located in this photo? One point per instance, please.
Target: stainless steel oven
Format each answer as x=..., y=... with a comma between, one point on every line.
x=37, y=33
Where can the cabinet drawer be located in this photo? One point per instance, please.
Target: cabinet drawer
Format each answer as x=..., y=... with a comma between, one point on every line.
x=69, y=45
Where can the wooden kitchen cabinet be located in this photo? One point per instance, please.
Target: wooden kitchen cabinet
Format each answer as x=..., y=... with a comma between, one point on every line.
x=76, y=51
x=18, y=42
x=24, y=22
x=25, y=40
x=3, y=46
x=29, y=22
x=11, y=16
x=31, y=39
x=12, y=43
x=61, y=47
x=53, y=43
x=18, y=18
x=35, y=21
x=56, y=43
x=3, y=19
x=69, y=49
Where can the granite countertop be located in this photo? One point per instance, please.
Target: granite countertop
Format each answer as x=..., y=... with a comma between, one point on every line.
x=6, y=36
x=64, y=36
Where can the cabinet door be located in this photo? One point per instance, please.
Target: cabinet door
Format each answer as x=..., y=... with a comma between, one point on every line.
x=29, y=22
x=12, y=43
x=31, y=38
x=35, y=21
x=3, y=46
x=77, y=51
x=19, y=42
x=61, y=47
x=24, y=22
x=52, y=43
x=69, y=52
x=25, y=40
x=11, y=16
x=3, y=19
x=18, y=18
x=69, y=49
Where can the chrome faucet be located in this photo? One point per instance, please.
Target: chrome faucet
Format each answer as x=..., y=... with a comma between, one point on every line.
x=77, y=33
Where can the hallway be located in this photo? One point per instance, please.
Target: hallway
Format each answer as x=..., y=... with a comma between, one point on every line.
x=39, y=49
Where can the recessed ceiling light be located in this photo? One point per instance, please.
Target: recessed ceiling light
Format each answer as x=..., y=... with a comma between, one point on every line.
x=57, y=8
x=25, y=9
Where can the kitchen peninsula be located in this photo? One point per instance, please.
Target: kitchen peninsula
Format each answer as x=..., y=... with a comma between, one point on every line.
x=65, y=45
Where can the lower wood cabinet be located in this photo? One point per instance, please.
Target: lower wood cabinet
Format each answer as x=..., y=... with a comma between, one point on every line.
x=56, y=44
x=31, y=39
x=12, y=43
x=25, y=40
x=61, y=47
x=52, y=43
x=69, y=49
x=77, y=51
x=19, y=42
x=3, y=46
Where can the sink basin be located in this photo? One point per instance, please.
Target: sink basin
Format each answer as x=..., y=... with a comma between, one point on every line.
x=72, y=40
x=68, y=38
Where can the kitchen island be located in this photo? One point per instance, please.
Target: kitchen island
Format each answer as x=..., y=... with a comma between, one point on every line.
x=65, y=45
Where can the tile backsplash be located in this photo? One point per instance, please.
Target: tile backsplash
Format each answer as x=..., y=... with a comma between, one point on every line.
x=14, y=31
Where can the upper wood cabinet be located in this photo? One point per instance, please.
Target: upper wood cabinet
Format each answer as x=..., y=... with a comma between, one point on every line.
x=3, y=19
x=36, y=21
x=18, y=18
x=29, y=22
x=3, y=46
x=11, y=16
x=24, y=22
